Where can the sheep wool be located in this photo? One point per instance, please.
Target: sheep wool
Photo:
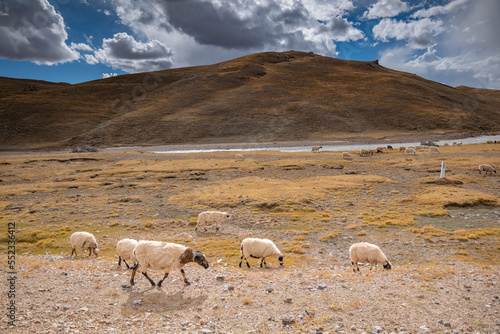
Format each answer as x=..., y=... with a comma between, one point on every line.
x=164, y=257
x=83, y=240
x=125, y=249
x=364, y=252
x=259, y=248
x=315, y=149
x=487, y=168
x=210, y=218
x=346, y=156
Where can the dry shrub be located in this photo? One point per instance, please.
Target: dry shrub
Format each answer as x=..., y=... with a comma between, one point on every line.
x=450, y=196
x=330, y=236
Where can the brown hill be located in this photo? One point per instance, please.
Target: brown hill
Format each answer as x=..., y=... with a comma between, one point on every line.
x=261, y=97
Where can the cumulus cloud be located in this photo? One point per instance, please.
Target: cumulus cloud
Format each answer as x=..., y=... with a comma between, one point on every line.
x=441, y=10
x=235, y=27
x=125, y=53
x=386, y=8
x=466, y=53
x=419, y=33
x=32, y=30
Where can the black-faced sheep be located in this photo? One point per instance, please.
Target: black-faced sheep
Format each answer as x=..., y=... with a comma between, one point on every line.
x=487, y=168
x=363, y=252
x=315, y=149
x=209, y=218
x=365, y=152
x=83, y=240
x=259, y=249
x=125, y=249
x=346, y=156
x=433, y=149
x=411, y=151
x=164, y=257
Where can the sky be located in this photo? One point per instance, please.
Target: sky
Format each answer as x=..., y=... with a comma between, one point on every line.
x=455, y=42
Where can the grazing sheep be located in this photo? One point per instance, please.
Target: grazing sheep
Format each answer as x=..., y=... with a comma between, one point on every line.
x=346, y=156
x=208, y=218
x=457, y=143
x=410, y=150
x=433, y=149
x=259, y=248
x=487, y=168
x=125, y=249
x=489, y=142
x=165, y=257
x=389, y=147
x=363, y=252
x=365, y=152
x=402, y=148
x=379, y=149
x=315, y=149
x=83, y=240
x=239, y=157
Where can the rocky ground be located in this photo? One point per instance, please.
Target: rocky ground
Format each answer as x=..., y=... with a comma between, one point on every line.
x=445, y=258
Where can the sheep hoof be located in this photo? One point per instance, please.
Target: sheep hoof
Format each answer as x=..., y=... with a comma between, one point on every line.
x=187, y=283
x=127, y=286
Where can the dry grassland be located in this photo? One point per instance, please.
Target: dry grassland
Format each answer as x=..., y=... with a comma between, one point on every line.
x=442, y=237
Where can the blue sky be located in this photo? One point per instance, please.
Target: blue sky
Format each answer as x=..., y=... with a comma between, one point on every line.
x=455, y=42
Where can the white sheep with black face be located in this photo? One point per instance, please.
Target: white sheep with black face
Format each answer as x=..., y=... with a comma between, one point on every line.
x=315, y=149
x=364, y=252
x=164, y=257
x=487, y=168
x=125, y=249
x=260, y=249
x=346, y=156
x=211, y=218
x=83, y=240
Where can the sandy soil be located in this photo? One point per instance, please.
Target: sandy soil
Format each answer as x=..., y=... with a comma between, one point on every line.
x=438, y=284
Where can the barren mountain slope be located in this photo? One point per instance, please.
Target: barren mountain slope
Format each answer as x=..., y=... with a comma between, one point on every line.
x=261, y=97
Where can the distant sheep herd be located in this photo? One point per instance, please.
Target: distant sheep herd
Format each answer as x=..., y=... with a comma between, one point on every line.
x=166, y=257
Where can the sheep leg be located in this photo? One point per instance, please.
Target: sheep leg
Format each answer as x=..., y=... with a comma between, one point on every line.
x=74, y=251
x=90, y=251
x=133, y=275
x=128, y=267
x=161, y=281
x=185, y=279
x=149, y=278
x=120, y=261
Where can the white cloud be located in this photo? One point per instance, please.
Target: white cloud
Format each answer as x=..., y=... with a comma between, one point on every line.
x=32, y=30
x=386, y=8
x=451, y=7
x=81, y=47
x=125, y=53
x=419, y=34
x=200, y=30
x=109, y=75
x=90, y=59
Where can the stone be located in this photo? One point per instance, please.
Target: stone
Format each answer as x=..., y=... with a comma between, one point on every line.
x=288, y=320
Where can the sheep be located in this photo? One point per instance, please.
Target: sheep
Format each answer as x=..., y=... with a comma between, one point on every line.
x=365, y=152
x=379, y=149
x=363, y=252
x=259, y=248
x=402, y=148
x=239, y=157
x=487, y=168
x=83, y=240
x=346, y=156
x=389, y=147
x=433, y=149
x=125, y=248
x=165, y=257
x=208, y=218
x=489, y=142
x=410, y=150
x=315, y=149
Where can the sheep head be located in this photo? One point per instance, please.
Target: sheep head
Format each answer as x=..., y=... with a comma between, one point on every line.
x=280, y=259
x=387, y=265
x=200, y=259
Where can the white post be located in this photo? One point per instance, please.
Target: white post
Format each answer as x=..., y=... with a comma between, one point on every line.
x=443, y=169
